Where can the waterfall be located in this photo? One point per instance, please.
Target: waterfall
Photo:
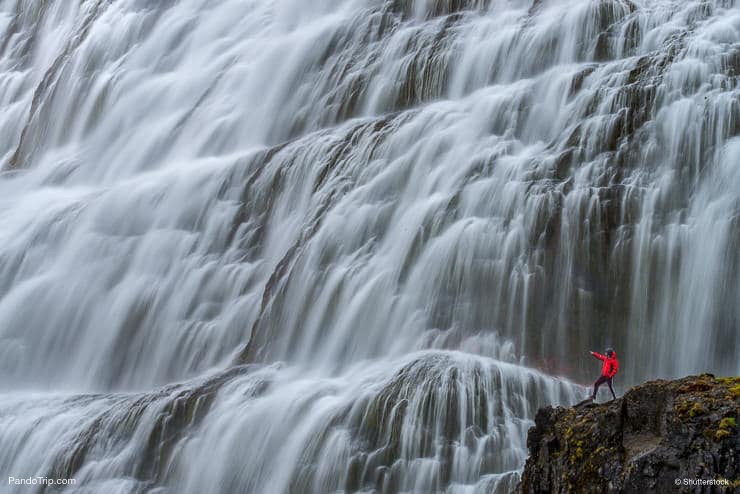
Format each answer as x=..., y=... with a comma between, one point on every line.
x=351, y=245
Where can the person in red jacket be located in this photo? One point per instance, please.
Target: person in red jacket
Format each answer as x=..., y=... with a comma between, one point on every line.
x=608, y=371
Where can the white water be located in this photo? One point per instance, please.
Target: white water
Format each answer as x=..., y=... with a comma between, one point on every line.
x=390, y=210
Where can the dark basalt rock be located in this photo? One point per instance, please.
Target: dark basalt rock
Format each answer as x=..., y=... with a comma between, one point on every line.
x=656, y=433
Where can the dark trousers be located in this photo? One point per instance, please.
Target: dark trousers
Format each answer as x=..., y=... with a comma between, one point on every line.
x=601, y=380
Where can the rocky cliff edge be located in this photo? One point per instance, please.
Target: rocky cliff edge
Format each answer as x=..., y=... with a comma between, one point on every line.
x=661, y=436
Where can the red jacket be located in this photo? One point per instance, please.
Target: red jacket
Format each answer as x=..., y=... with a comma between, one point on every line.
x=610, y=365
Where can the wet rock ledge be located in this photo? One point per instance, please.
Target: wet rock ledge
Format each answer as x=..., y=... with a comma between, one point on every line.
x=656, y=433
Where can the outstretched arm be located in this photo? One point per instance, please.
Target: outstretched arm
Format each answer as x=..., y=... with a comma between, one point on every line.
x=598, y=355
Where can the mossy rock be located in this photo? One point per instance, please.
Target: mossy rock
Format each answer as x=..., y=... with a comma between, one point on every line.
x=735, y=392
x=729, y=381
x=690, y=408
x=727, y=423
x=721, y=434
x=697, y=409
x=632, y=444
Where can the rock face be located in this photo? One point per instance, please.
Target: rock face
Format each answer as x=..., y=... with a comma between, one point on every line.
x=656, y=433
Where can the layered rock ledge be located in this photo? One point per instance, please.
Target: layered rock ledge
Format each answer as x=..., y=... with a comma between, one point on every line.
x=661, y=436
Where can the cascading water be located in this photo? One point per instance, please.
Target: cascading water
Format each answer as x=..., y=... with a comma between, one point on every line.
x=344, y=245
